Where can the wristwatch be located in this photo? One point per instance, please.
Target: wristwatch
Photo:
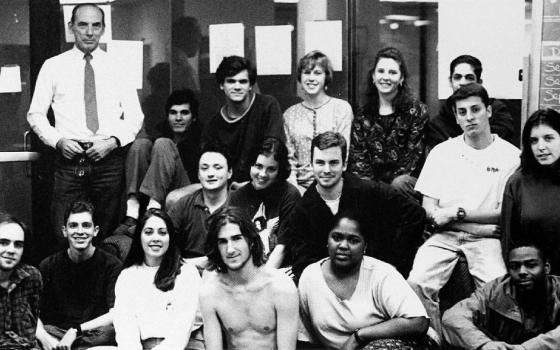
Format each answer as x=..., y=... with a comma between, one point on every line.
x=78, y=329
x=461, y=214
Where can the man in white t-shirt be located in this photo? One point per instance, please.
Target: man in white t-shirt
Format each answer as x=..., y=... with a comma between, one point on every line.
x=462, y=184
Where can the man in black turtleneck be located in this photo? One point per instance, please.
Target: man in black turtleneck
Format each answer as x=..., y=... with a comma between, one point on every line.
x=519, y=311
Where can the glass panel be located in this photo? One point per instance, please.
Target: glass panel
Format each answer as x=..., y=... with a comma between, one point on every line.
x=14, y=58
x=191, y=20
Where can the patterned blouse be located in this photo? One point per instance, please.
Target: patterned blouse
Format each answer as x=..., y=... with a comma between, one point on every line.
x=302, y=124
x=384, y=147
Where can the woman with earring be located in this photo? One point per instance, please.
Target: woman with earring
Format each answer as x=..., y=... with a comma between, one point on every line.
x=388, y=133
x=532, y=194
x=317, y=113
x=352, y=301
x=156, y=295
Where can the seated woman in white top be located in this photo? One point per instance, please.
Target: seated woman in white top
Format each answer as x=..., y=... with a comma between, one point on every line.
x=156, y=296
x=352, y=301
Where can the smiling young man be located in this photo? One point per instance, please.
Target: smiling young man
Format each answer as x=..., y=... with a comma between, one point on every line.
x=79, y=287
x=519, y=311
x=463, y=70
x=96, y=116
x=392, y=224
x=462, y=183
x=245, y=304
x=246, y=118
x=156, y=166
x=20, y=287
x=269, y=198
x=189, y=213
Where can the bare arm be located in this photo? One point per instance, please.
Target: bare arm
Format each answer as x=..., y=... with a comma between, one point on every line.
x=394, y=328
x=48, y=342
x=287, y=305
x=212, y=328
x=276, y=256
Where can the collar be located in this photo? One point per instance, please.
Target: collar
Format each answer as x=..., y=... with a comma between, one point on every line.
x=18, y=275
x=79, y=54
x=199, y=200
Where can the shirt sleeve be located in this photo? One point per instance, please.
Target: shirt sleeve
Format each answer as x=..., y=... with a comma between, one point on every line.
x=345, y=124
x=397, y=298
x=126, y=324
x=40, y=104
x=275, y=125
x=112, y=274
x=292, y=156
x=359, y=162
x=415, y=142
x=132, y=116
x=305, y=329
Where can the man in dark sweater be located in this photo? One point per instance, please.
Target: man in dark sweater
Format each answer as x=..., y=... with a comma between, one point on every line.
x=391, y=223
x=463, y=70
x=246, y=118
x=78, y=287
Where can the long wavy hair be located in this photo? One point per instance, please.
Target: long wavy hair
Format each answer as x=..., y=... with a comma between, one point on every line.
x=402, y=100
x=171, y=263
x=232, y=215
x=529, y=164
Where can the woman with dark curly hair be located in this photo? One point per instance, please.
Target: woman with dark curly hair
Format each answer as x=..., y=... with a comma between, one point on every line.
x=532, y=194
x=156, y=296
x=388, y=132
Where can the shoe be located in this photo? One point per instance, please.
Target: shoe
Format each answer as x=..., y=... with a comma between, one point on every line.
x=127, y=227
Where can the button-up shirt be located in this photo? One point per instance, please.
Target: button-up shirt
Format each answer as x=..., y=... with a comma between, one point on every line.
x=60, y=85
x=19, y=302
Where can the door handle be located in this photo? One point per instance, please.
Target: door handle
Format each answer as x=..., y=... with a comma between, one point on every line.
x=27, y=148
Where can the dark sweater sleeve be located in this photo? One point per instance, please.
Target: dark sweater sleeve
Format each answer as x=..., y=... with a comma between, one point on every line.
x=501, y=122
x=299, y=239
x=113, y=271
x=275, y=125
x=289, y=200
x=510, y=220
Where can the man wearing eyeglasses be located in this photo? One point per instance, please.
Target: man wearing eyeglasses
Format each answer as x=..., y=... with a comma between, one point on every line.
x=96, y=115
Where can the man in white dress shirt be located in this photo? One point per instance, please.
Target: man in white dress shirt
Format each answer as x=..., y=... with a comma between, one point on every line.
x=96, y=116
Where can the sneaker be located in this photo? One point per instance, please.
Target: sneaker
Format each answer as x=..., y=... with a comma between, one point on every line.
x=127, y=227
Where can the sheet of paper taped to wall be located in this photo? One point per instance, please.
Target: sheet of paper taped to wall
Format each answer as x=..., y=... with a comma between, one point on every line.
x=10, y=79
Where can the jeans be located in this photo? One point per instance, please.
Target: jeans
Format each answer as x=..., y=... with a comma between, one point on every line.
x=154, y=169
x=99, y=182
x=436, y=258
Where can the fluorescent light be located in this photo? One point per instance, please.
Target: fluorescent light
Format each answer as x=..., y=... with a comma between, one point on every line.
x=75, y=2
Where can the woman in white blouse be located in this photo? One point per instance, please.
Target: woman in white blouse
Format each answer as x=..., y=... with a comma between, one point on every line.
x=317, y=113
x=156, y=296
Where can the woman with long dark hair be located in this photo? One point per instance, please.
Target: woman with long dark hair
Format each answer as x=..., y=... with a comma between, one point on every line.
x=532, y=194
x=156, y=296
x=388, y=132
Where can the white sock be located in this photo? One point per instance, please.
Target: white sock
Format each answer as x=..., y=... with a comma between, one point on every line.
x=132, y=207
x=154, y=204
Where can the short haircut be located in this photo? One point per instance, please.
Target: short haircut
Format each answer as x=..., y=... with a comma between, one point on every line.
x=272, y=146
x=180, y=97
x=544, y=253
x=469, y=90
x=548, y=117
x=7, y=218
x=329, y=139
x=312, y=59
x=470, y=60
x=77, y=7
x=171, y=263
x=214, y=146
x=233, y=65
x=350, y=215
x=236, y=216
x=79, y=206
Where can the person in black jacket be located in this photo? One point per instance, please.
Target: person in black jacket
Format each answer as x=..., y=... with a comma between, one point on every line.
x=392, y=224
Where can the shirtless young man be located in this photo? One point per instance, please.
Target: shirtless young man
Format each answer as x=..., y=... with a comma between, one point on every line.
x=249, y=304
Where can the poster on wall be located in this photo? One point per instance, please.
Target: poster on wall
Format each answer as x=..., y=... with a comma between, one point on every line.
x=128, y=55
x=315, y=34
x=274, y=49
x=10, y=79
x=225, y=40
x=107, y=35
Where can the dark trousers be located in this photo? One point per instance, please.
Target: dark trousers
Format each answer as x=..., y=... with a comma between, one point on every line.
x=104, y=335
x=99, y=182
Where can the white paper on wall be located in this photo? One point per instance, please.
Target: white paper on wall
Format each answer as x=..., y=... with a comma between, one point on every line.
x=274, y=49
x=128, y=56
x=325, y=36
x=107, y=35
x=225, y=40
x=10, y=79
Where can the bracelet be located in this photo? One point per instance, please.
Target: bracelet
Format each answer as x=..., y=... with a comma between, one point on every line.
x=78, y=329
